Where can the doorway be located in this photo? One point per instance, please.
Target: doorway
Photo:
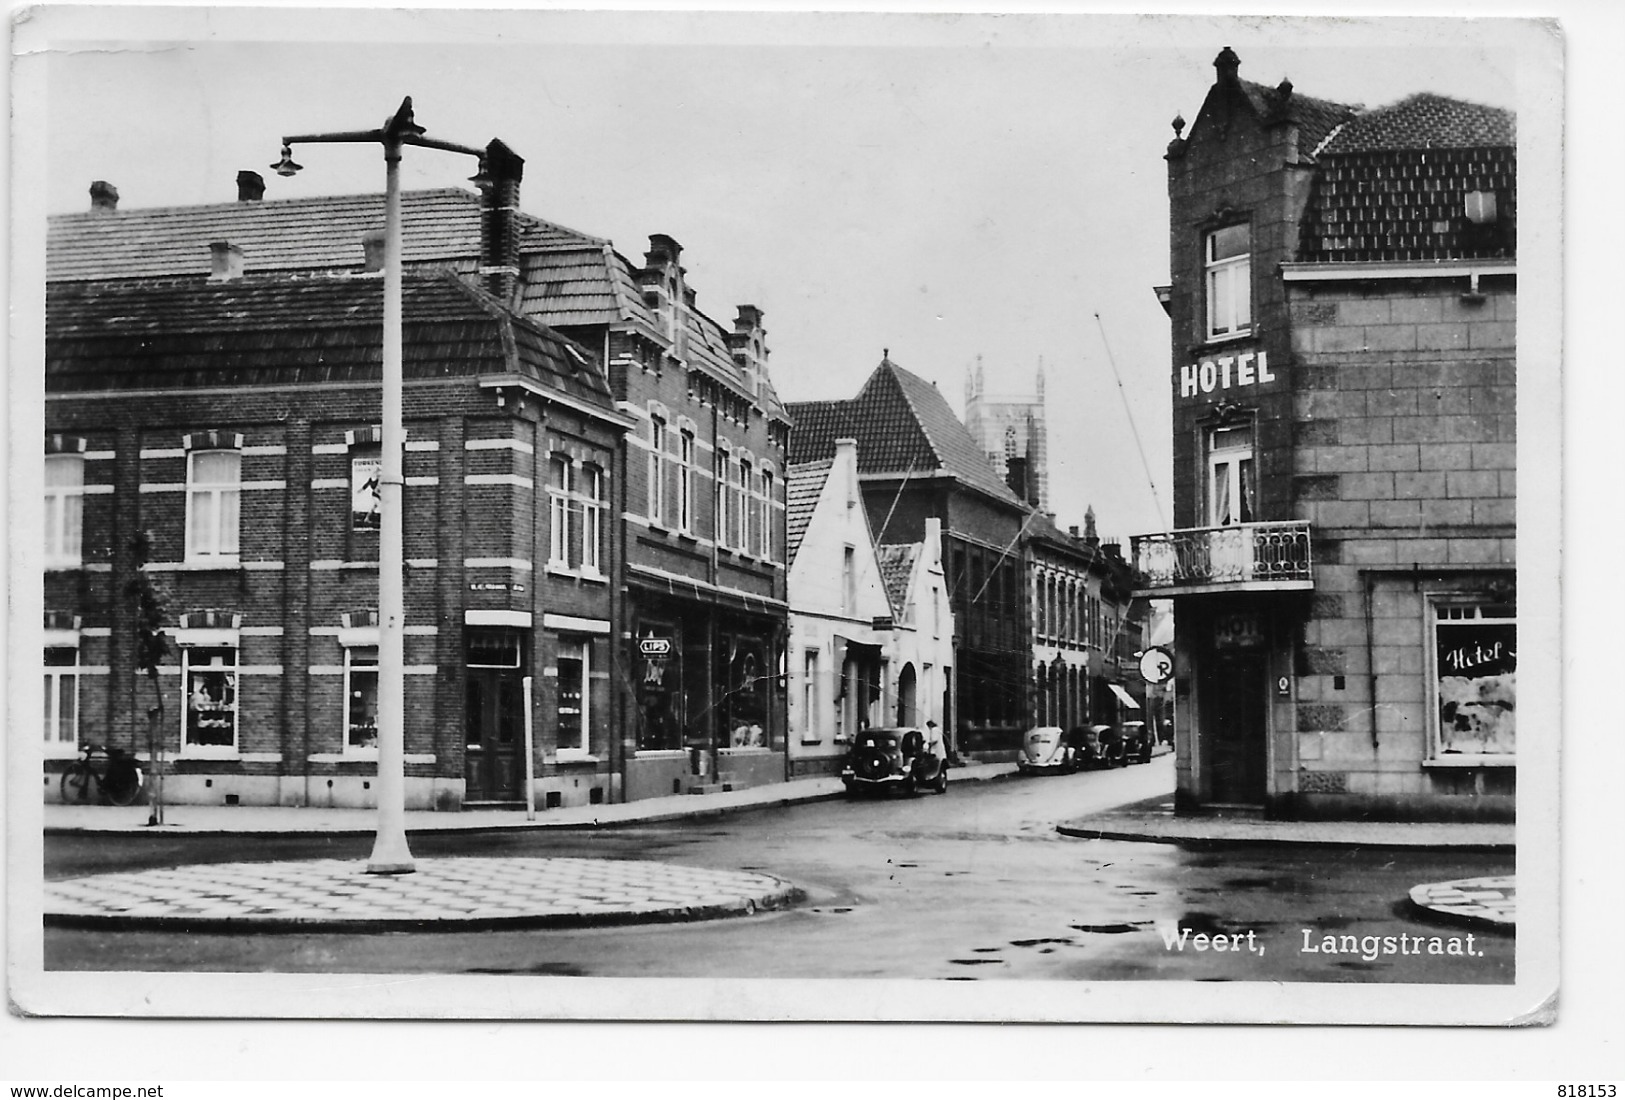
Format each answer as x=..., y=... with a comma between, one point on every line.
x=905, y=697
x=494, y=715
x=1235, y=716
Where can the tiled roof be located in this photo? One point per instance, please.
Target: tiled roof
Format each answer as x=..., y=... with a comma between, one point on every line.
x=1315, y=117
x=279, y=330
x=902, y=424
x=1425, y=121
x=802, y=491
x=280, y=235
x=896, y=570
x=1392, y=185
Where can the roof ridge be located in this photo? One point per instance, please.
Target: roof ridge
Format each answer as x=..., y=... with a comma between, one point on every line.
x=239, y=204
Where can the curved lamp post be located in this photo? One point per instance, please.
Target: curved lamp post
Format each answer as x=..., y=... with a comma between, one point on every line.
x=390, y=854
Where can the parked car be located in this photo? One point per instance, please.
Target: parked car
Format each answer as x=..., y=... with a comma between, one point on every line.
x=1047, y=749
x=1138, y=742
x=1098, y=746
x=893, y=758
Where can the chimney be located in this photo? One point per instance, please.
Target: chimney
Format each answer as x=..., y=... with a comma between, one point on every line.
x=1228, y=65
x=1073, y=530
x=844, y=449
x=663, y=290
x=662, y=250
x=226, y=262
x=250, y=186
x=501, y=171
x=373, y=242
x=103, y=197
x=748, y=342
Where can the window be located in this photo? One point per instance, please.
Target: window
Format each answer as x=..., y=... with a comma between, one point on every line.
x=593, y=506
x=366, y=470
x=1475, y=680
x=64, y=509
x=360, y=697
x=657, y=469
x=685, y=482
x=61, y=699
x=212, y=487
x=849, y=581
x=750, y=508
x=809, y=695
x=1231, y=490
x=730, y=505
x=560, y=487
x=209, y=674
x=573, y=680
x=770, y=525
x=1229, y=282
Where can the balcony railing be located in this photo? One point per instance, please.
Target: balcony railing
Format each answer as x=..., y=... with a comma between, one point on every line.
x=1243, y=557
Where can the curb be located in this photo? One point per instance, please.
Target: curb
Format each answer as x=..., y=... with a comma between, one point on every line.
x=783, y=898
x=1083, y=832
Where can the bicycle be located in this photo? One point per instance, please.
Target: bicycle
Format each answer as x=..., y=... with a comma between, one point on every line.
x=112, y=771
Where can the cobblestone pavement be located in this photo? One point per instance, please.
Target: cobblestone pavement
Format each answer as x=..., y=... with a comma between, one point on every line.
x=453, y=893
x=1492, y=901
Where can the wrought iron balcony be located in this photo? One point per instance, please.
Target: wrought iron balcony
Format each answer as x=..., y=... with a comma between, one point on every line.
x=1245, y=557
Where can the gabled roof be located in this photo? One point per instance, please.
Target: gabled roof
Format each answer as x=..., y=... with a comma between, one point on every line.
x=1315, y=118
x=805, y=485
x=279, y=235
x=896, y=562
x=281, y=330
x=903, y=426
x=1425, y=121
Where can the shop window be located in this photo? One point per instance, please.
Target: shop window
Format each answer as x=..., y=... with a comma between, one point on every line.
x=61, y=700
x=660, y=692
x=747, y=694
x=360, y=698
x=1232, y=492
x=1229, y=282
x=213, y=485
x=209, y=676
x=570, y=712
x=1475, y=680
x=64, y=509
x=366, y=470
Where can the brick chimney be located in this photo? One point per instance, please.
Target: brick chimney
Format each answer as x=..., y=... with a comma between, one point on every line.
x=664, y=292
x=373, y=243
x=103, y=197
x=748, y=343
x=499, y=219
x=225, y=262
x=250, y=186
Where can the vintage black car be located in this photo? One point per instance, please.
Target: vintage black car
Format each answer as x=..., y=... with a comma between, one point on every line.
x=1138, y=742
x=896, y=758
x=1098, y=746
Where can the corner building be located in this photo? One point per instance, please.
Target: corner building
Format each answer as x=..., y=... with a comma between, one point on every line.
x=1343, y=300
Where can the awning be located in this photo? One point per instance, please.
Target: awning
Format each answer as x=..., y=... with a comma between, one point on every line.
x=1124, y=697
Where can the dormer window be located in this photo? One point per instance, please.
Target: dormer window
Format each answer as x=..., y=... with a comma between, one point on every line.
x=1229, y=282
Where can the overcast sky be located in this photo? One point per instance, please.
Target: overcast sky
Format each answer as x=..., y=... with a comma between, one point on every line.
x=945, y=187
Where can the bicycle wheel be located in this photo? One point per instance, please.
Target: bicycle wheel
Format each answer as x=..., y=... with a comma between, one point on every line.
x=76, y=783
x=122, y=783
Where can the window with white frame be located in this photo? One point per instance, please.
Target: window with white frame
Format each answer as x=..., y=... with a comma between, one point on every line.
x=741, y=491
x=213, y=486
x=560, y=489
x=728, y=521
x=209, y=679
x=64, y=509
x=657, y=468
x=593, y=506
x=770, y=524
x=61, y=700
x=1474, y=656
x=809, y=695
x=1228, y=264
x=1231, y=488
x=574, y=679
x=360, y=697
x=685, y=482
x=750, y=532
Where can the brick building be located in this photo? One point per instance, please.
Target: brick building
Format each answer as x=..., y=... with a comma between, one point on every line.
x=1343, y=301
x=232, y=420
x=699, y=480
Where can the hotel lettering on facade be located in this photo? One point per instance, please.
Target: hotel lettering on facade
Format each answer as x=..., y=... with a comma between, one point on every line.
x=1343, y=306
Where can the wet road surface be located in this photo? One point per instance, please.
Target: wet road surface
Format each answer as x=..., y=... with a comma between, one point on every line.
x=973, y=885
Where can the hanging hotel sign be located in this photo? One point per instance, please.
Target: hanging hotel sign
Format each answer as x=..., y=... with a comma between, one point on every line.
x=1225, y=372
x=1238, y=630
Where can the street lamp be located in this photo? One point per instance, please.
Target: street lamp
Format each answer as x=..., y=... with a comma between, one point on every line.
x=390, y=854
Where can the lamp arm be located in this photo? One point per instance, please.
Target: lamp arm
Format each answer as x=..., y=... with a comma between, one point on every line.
x=447, y=146
x=354, y=135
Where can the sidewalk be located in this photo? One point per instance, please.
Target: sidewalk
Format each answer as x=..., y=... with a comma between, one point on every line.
x=1154, y=820
x=296, y=820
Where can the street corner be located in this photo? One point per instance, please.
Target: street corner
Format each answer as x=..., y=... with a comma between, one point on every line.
x=1490, y=902
x=451, y=894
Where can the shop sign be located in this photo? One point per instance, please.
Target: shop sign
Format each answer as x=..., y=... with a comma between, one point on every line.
x=1240, y=630
x=1225, y=372
x=654, y=647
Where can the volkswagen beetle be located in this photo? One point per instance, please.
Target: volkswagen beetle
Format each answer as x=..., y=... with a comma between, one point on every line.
x=895, y=758
x=1047, y=749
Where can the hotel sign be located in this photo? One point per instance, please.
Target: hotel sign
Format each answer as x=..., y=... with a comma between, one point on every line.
x=1225, y=372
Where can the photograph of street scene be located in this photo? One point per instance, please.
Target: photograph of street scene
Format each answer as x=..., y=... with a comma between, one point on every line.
x=970, y=501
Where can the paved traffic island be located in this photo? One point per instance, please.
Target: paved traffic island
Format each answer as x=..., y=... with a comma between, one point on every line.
x=452, y=894
x=1483, y=902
